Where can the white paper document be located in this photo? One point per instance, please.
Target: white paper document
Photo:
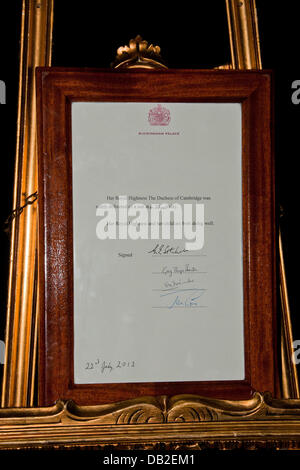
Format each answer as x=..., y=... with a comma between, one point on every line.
x=156, y=309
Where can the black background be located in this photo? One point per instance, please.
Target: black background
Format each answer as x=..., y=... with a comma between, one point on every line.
x=88, y=34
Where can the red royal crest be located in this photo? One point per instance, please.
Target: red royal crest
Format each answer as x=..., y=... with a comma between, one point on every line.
x=159, y=116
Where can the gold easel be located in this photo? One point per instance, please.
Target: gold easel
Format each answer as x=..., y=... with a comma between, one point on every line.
x=194, y=423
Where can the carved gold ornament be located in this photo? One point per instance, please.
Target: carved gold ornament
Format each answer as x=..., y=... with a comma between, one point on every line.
x=183, y=421
x=138, y=55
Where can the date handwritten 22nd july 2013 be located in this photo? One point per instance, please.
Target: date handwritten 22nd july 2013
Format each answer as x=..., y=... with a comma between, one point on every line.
x=108, y=366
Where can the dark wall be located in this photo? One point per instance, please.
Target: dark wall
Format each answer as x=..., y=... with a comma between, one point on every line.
x=88, y=35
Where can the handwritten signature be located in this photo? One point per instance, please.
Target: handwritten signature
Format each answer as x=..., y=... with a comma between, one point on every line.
x=187, y=303
x=170, y=271
x=187, y=298
x=162, y=249
x=168, y=285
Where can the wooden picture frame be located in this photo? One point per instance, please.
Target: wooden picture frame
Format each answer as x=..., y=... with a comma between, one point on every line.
x=57, y=89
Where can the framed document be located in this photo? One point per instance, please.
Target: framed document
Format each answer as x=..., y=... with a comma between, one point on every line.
x=157, y=259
